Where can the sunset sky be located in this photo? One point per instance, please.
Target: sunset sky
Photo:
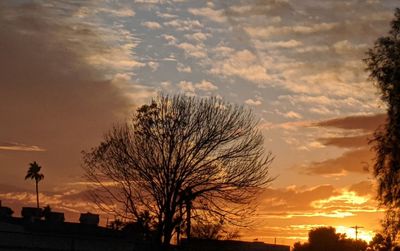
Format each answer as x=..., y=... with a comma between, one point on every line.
x=69, y=69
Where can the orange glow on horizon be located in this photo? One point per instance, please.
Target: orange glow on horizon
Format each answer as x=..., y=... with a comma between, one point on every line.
x=363, y=234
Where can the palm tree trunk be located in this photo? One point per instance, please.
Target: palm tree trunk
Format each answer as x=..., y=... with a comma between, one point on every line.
x=37, y=193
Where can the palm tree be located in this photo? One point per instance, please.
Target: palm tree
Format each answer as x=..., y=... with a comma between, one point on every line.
x=33, y=173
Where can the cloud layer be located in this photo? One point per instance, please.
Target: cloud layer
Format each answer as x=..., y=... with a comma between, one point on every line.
x=52, y=101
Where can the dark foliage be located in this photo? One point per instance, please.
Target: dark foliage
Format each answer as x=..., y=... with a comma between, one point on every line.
x=33, y=173
x=326, y=239
x=379, y=243
x=214, y=231
x=383, y=64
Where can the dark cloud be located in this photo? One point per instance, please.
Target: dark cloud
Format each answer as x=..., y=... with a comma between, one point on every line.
x=368, y=123
x=357, y=160
x=347, y=142
x=49, y=95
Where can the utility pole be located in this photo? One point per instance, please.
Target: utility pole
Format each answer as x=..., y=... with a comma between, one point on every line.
x=356, y=228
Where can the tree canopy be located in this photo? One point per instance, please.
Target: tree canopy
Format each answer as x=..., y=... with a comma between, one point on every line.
x=178, y=157
x=33, y=173
x=326, y=238
x=383, y=64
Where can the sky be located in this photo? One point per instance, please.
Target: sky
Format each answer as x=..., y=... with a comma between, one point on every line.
x=71, y=69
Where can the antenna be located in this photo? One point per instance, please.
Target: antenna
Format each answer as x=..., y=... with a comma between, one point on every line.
x=356, y=228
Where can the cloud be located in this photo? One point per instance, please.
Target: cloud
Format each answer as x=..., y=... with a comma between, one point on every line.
x=20, y=147
x=51, y=96
x=198, y=36
x=71, y=202
x=151, y=25
x=153, y=65
x=118, y=58
x=184, y=25
x=354, y=161
x=313, y=51
x=125, y=12
x=150, y=2
x=170, y=39
x=243, y=64
x=367, y=123
x=363, y=188
x=352, y=133
x=182, y=68
x=186, y=86
x=319, y=201
x=293, y=115
x=269, y=31
x=253, y=102
x=196, y=51
x=166, y=15
x=294, y=199
x=347, y=142
x=205, y=85
x=284, y=44
x=210, y=13
x=346, y=46
x=190, y=88
x=274, y=8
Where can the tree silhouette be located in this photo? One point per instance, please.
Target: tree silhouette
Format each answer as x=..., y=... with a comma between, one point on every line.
x=326, y=239
x=213, y=231
x=177, y=157
x=383, y=64
x=34, y=174
x=379, y=243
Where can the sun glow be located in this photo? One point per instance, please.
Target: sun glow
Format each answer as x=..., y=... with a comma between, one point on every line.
x=350, y=232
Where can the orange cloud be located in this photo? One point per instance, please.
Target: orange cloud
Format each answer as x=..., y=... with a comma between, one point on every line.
x=358, y=161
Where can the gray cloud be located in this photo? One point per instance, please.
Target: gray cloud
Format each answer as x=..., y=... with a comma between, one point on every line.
x=360, y=158
x=347, y=142
x=367, y=123
x=49, y=95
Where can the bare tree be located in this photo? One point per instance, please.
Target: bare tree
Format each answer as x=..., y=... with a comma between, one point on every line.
x=180, y=154
x=214, y=231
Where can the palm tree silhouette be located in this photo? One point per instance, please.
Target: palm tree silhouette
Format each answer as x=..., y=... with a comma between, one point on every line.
x=33, y=174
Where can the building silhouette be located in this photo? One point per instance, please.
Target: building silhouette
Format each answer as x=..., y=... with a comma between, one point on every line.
x=44, y=230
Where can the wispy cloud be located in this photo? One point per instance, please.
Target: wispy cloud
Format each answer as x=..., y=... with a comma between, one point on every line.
x=20, y=147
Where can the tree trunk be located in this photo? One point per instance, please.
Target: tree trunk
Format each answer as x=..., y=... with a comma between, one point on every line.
x=178, y=228
x=188, y=217
x=166, y=241
x=37, y=194
x=167, y=230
